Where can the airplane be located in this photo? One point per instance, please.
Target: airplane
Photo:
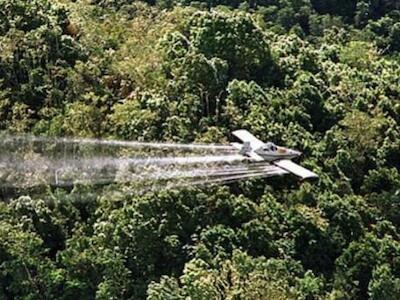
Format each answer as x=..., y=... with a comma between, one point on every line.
x=281, y=157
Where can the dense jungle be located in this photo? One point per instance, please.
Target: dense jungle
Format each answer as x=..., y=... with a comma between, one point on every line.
x=320, y=76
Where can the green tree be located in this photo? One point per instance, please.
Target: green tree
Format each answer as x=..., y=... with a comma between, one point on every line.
x=37, y=51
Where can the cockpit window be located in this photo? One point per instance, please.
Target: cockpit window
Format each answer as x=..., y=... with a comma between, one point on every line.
x=270, y=147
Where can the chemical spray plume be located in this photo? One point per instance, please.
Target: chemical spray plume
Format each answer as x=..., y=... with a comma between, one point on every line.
x=27, y=161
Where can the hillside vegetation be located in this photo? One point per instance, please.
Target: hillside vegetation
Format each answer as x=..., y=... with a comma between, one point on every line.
x=319, y=76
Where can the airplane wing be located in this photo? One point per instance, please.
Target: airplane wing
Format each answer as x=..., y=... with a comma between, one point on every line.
x=290, y=166
x=246, y=136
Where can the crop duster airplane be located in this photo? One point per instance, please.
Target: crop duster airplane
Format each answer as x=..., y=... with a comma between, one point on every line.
x=281, y=157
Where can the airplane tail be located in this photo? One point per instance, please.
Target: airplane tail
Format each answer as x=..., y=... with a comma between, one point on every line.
x=244, y=149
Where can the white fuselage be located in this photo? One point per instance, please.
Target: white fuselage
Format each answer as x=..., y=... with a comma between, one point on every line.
x=276, y=154
x=266, y=151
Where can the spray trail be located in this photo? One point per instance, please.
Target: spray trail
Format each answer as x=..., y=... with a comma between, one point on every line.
x=27, y=161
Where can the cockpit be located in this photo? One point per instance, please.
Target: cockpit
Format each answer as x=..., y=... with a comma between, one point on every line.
x=271, y=147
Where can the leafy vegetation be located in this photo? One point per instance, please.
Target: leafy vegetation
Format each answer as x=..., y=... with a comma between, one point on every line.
x=318, y=76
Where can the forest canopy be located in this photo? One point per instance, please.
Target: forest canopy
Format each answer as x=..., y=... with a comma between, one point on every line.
x=320, y=76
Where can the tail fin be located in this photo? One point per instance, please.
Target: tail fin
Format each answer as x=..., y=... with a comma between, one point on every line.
x=246, y=148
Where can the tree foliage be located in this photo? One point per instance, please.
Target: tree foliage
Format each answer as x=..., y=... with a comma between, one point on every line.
x=318, y=76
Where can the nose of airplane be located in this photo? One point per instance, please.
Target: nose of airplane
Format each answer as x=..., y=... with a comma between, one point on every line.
x=297, y=153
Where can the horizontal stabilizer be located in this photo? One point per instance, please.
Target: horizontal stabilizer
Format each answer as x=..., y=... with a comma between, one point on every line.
x=290, y=166
x=237, y=146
